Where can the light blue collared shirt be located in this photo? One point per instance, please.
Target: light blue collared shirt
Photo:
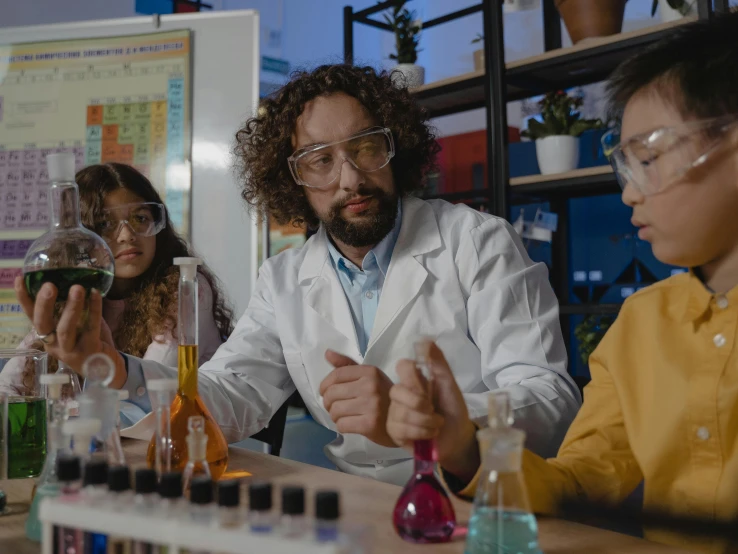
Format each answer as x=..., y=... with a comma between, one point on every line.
x=364, y=286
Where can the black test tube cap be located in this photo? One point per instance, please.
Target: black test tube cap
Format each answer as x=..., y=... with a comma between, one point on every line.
x=260, y=497
x=68, y=468
x=327, y=505
x=201, y=490
x=119, y=479
x=146, y=481
x=96, y=473
x=293, y=501
x=229, y=494
x=170, y=485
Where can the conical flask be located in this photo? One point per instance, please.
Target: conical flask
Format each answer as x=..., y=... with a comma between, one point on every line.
x=67, y=254
x=188, y=402
x=501, y=520
x=424, y=513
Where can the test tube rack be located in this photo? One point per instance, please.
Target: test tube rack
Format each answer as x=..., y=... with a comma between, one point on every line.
x=178, y=535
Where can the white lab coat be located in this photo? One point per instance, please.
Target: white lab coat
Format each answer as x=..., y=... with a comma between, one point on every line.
x=456, y=274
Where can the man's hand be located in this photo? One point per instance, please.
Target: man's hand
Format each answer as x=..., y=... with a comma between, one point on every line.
x=64, y=339
x=414, y=415
x=357, y=398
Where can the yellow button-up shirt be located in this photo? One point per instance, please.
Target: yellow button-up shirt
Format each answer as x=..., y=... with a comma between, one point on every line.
x=662, y=407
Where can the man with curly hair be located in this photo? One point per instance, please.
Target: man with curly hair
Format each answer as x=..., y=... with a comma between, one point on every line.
x=342, y=149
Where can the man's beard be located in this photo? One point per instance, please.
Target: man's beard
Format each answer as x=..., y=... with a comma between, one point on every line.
x=370, y=227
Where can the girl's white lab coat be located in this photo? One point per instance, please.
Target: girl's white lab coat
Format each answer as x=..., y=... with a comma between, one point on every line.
x=456, y=274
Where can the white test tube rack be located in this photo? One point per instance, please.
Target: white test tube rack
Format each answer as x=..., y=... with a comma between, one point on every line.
x=178, y=535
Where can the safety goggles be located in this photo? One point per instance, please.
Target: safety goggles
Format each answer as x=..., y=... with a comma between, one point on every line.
x=653, y=161
x=144, y=219
x=319, y=166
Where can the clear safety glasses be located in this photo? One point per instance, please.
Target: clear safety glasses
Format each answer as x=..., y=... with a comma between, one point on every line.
x=319, y=166
x=653, y=161
x=144, y=219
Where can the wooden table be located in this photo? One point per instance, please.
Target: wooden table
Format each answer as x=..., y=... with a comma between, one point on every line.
x=363, y=501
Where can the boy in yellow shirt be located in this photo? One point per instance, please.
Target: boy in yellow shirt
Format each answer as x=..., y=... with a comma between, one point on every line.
x=662, y=406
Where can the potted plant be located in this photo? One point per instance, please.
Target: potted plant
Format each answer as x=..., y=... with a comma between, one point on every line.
x=588, y=18
x=557, y=136
x=479, y=54
x=407, y=31
x=589, y=333
x=671, y=10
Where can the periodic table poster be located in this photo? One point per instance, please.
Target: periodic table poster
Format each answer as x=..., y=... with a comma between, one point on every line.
x=122, y=99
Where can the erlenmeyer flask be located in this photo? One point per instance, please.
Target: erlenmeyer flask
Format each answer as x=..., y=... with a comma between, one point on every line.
x=424, y=513
x=48, y=485
x=188, y=402
x=501, y=521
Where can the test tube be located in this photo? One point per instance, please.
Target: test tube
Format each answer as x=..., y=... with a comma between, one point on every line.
x=170, y=494
x=94, y=491
x=145, y=502
x=292, y=523
x=229, y=504
x=201, y=504
x=121, y=498
x=69, y=472
x=161, y=392
x=261, y=519
x=327, y=512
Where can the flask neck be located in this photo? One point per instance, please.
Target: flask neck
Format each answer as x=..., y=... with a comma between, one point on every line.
x=424, y=453
x=64, y=205
x=187, y=361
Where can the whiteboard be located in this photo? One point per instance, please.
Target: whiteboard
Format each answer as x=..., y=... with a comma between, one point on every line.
x=225, y=92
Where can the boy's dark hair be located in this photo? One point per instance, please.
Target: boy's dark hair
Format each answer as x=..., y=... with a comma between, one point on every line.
x=265, y=141
x=695, y=69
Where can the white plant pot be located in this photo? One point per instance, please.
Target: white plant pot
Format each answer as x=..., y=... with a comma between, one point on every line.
x=669, y=14
x=408, y=75
x=557, y=154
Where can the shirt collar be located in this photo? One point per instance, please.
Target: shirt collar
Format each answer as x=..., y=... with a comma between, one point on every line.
x=699, y=297
x=382, y=252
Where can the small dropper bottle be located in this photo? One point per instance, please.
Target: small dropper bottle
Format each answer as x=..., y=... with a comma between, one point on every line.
x=197, y=447
x=69, y=472
x=229, y=504
x=170, y=494
x=292, y=523
x=261, y=519
x=327, y=512
x=119, y=485
x=95, y=492
x=201, y=500
x=146, y=496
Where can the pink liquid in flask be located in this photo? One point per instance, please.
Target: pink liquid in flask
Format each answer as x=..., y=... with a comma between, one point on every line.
x=423, y=513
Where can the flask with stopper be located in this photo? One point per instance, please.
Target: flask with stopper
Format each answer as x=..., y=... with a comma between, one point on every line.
x=501, y=520
x=424, y=513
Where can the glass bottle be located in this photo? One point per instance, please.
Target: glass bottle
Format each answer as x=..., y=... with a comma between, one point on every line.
x=69, y=471
x=260, y=518
x=161, y=393
x=48, y=484
x=197, y=444
x=292, y=524
x=100, y=402
x=229, y=505
x=327, y=513
x=67, y=254
x=501, y=520
x=424, y=513
x=188, y=402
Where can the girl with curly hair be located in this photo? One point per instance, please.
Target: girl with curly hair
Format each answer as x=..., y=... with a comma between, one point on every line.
x=140, y=311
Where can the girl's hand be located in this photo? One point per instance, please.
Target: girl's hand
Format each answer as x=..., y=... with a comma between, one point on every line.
x=63, y=339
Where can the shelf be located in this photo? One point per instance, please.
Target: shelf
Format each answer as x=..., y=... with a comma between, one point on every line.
x=590, y=181
x=589, y=309
x=589, y=61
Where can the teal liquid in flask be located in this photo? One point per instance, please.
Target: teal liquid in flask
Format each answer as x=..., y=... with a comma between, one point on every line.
x=501, y=521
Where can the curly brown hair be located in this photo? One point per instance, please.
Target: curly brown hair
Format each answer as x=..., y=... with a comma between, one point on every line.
x=264, y=143
x=152, y=307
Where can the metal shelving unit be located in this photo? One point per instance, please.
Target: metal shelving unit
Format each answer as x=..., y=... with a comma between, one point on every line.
x=499, y=83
